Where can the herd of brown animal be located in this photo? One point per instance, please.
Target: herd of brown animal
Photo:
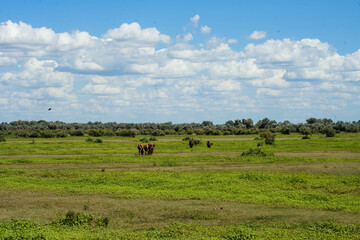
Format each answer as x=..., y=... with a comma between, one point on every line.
x=148, y=149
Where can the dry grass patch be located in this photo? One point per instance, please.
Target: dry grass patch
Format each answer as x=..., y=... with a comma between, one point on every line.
x=144, y=213
x=333, y=168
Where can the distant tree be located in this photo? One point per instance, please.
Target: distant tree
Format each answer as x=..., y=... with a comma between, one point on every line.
x=285, y=130
x=329, y=132
x=305, y=130
x=268, y=137
x=207, y=124
x=248, y=122
x=311, y=120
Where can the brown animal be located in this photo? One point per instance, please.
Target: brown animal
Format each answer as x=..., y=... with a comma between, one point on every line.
x=209, y=144
x=146, y=149
x=151, y=147
x=191, y=143
x=141, y=149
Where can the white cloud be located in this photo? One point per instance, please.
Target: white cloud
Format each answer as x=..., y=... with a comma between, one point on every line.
x=205, y=29
x=133, y=32
x=100, y=89
x=188, y=37
x=195, y=19
x=4, y=101
x=257, y=35
x=232, y=41
x=125, y=68
x=268, y=91
x=227, y=85
x=6, y=61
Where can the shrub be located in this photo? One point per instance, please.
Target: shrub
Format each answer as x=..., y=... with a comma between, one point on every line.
x=98, y=140
x=89, y=140
x=96, y=132
x=187, y=138
x=81, y=219
x=76, y=132
x=306, y=137
x=305, y=130
x=152, y=138
x=158, y=132
x=126, y=133
x=256, y=152
x=285, y=131
x=144, y=140
x=269, y=137
x=61, y=134
x=2, y=137
x=48, y=134
x=21, y=133
x=34, y=134
x=329, y=132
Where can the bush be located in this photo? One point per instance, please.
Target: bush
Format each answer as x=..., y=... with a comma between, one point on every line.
x=306, y=137
x=81, y=219
x=329, y=132
x=61, y=134
x=2, y=137
x=158, y=133
x=21, y=133
x=126, y=133
x=76, y=132
x=152, y=138
x=34, y=134
x=269, y=137
x=48, y=134
x=89, y=140
x=256, y=152
x=96, y=132
x=305, y=130
x=98, y=140
x=187, y=138
x=285, y=131
x=144, y=140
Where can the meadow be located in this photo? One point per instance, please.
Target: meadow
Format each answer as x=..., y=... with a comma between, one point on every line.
x=70, y=188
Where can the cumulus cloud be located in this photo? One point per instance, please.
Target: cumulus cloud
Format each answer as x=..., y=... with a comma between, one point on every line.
x=257, y=35
x=205, y=29
x=124, y=69
x=188, y=37
x=100, y=89
x=195, y=19
x=232, y=41
x=133, y=32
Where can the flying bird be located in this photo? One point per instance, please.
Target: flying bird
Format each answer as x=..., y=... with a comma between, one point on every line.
x=49, y=109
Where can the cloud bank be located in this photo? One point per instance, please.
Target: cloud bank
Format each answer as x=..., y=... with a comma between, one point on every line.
x=138, y=74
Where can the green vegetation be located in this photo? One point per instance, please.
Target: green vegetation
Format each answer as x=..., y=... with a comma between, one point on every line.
x=76, y=188
x=44, y=129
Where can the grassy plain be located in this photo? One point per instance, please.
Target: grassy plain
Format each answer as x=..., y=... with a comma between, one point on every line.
x=309, y=189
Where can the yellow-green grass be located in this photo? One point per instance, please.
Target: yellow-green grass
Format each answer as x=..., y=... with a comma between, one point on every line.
x=309, y=189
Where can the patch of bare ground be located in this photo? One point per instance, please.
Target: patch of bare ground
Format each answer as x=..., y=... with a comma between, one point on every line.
x=143, y=213
x=321, y=154
x=333, y=168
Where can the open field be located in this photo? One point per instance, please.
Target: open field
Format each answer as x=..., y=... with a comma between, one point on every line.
x=308, y=189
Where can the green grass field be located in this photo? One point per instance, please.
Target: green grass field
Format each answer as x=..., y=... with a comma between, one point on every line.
x=304, y=189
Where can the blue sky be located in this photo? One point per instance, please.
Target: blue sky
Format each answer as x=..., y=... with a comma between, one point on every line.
x=179, y=61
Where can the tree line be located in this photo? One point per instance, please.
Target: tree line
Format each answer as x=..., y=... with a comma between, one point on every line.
x=49, y=129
